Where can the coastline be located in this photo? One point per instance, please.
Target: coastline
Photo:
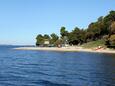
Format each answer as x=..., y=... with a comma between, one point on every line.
x=67, y=49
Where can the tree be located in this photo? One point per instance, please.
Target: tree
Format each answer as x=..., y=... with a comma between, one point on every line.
x=54, y=38
x=112, y=40
x=46, y=37
x=82, y=36
x=112, y=28
x=73, y=36
x=111, y=36
x=40, y=40
x=100, y=19
x=104, y=27
x=95, y=29
x=63, y=32
x=109, y=19
x=64, y=35
x=58, y=42
x=106, y=39
x=89, y=36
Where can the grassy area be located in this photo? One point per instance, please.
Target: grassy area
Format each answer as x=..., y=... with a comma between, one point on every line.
x=94, y=44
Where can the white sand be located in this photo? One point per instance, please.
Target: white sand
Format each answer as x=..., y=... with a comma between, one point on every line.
x=71, y=49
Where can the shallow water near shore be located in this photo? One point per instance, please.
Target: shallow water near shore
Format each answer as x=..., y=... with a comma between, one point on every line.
x=47, y=68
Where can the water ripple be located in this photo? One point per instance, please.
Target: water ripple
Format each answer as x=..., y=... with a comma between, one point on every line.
x=43, y=68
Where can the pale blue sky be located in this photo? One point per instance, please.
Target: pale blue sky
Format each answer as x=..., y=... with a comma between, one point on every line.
x=22, y=20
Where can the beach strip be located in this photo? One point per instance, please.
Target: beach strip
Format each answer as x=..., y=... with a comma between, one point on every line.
x=66, y=49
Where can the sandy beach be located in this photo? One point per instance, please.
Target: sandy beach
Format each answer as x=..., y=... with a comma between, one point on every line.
x=67, y=49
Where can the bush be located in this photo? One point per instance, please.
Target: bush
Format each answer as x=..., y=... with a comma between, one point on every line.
x=112, y=27
x=112, y=40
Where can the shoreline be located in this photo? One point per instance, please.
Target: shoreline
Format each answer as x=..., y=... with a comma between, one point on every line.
x=67, y=49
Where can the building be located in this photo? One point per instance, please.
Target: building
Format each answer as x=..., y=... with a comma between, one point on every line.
x=46, y=42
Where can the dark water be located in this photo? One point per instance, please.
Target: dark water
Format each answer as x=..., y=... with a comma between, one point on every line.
x=43, y=68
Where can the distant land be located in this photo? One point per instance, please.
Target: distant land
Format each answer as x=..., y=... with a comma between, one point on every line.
x=98, y=33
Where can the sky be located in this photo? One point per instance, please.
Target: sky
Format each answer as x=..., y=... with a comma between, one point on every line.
x=22, y=20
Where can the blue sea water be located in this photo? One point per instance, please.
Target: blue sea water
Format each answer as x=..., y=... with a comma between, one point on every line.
x=46, y=68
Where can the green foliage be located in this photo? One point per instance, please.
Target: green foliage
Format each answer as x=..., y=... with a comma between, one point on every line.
x=103, y=28
x=89, y=36
x=109, y=18
x=58, y=42
x=40, y=39
x=46, y=36
x=77, y=36
x=74, y=36
x=94, y=29
x=112, y=28
x=94, y=44
x=54, y=38
x=106, y=37
x=112, y=40
x=63, y=32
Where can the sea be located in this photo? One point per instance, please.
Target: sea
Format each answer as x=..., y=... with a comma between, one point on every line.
x=51, y=68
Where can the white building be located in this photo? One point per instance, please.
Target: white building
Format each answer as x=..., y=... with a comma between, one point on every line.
x=46, y=42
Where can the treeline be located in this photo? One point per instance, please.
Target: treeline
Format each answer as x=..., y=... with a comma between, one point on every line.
x=103, y=28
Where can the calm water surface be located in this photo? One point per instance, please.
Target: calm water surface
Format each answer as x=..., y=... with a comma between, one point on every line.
x=46, y=68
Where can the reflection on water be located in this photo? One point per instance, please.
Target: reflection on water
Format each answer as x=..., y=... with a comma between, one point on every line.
x=43, y=68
